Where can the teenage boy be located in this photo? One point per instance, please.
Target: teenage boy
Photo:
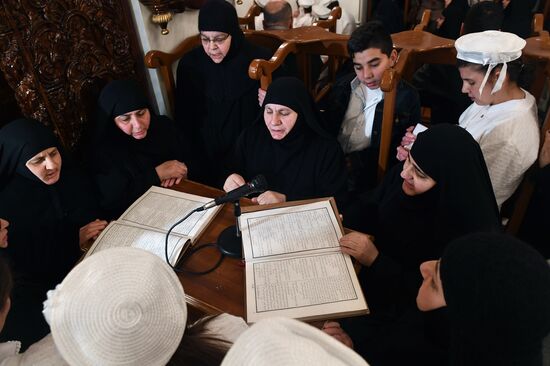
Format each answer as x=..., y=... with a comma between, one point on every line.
x=354, y=107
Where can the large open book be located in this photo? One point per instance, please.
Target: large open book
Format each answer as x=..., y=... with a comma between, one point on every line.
x=145, y=223
x=294, y=265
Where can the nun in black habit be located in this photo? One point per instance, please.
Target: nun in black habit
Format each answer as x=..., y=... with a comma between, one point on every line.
x=132, y=148
x=443, y=191
x=215, y=97
x=497, y=293
x=50, y=210
x=288, y=146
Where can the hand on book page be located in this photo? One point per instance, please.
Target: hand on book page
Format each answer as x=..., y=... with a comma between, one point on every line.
x=90, y=232
x=360, y=247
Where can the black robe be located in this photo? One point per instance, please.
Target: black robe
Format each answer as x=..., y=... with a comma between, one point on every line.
x=409, y=230
x=123, y=168
x=216, y=102
x=44, y=225
x=306, y=163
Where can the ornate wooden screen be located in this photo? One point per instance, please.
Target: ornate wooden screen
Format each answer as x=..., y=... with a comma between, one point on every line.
x=57, y=54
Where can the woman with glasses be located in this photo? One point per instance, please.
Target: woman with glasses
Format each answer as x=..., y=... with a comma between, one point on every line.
x=215, y=97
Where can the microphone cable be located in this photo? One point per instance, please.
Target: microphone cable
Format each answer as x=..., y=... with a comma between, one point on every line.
x=191, y=251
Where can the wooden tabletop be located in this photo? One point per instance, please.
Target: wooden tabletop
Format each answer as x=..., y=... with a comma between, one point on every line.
x=223, y=289
x=420, y=41
x=309, y=34
x=538, y=47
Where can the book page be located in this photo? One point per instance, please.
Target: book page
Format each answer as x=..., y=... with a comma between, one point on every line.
x=290, y=230
x=124, y=234
x=303, y=287
x=160, y=208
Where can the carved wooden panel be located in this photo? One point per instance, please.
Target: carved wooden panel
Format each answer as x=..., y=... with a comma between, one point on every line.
x=57, y=54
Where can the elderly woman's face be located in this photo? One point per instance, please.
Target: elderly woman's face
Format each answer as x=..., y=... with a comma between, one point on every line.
x=279, y=120
x=46, y=165
x=134, y=123
x=216, y=44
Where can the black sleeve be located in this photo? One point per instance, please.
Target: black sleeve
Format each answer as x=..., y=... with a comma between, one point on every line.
x=121, y=184
x=332, y=175
x=189, y=102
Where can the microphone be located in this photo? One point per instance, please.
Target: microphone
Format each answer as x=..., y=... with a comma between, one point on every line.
x=256, y=185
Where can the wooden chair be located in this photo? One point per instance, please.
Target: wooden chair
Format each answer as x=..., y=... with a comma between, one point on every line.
x=308, y=41
x=248, y=20
x=424, y=21
x=165, y=62
x=416, y=48
x=330, y=22
x=538, y=25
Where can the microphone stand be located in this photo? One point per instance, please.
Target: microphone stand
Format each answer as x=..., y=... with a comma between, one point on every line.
x=229, y=241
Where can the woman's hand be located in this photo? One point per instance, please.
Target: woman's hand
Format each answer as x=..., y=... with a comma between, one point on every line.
x=406, y=141
x=334, y=329
x=171, y=169
x=170, y=182
x=232, y=182
x=91, y=231
x=269, y=197
x=360, y=247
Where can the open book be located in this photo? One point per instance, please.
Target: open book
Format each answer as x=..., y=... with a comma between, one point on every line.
x=145, y=223
x=294, y=265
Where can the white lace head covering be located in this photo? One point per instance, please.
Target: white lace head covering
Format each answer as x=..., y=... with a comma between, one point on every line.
x=490, y=48
x=288, y=342
x=120, y=306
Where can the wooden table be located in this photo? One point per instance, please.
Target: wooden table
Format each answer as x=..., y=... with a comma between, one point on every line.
x=223, y=289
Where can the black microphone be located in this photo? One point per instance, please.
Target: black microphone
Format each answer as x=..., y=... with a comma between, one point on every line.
x=256, y=185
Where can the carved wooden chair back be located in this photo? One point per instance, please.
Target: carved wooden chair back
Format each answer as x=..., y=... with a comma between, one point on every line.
x=307, y=42
x=330, y=22
x=416, y=48
x=248, y=19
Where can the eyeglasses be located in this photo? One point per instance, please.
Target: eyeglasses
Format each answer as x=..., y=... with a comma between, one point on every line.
x=216, y=40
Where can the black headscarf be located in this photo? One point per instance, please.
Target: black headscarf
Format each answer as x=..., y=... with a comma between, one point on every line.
x=292, y=93
x=44, y=218
x=497, y=291
x=44, y=224
x=20, y=140
x=124, y=167
x=220, y=16
x=307, y=162
x=466, y=202
x=123, y=96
